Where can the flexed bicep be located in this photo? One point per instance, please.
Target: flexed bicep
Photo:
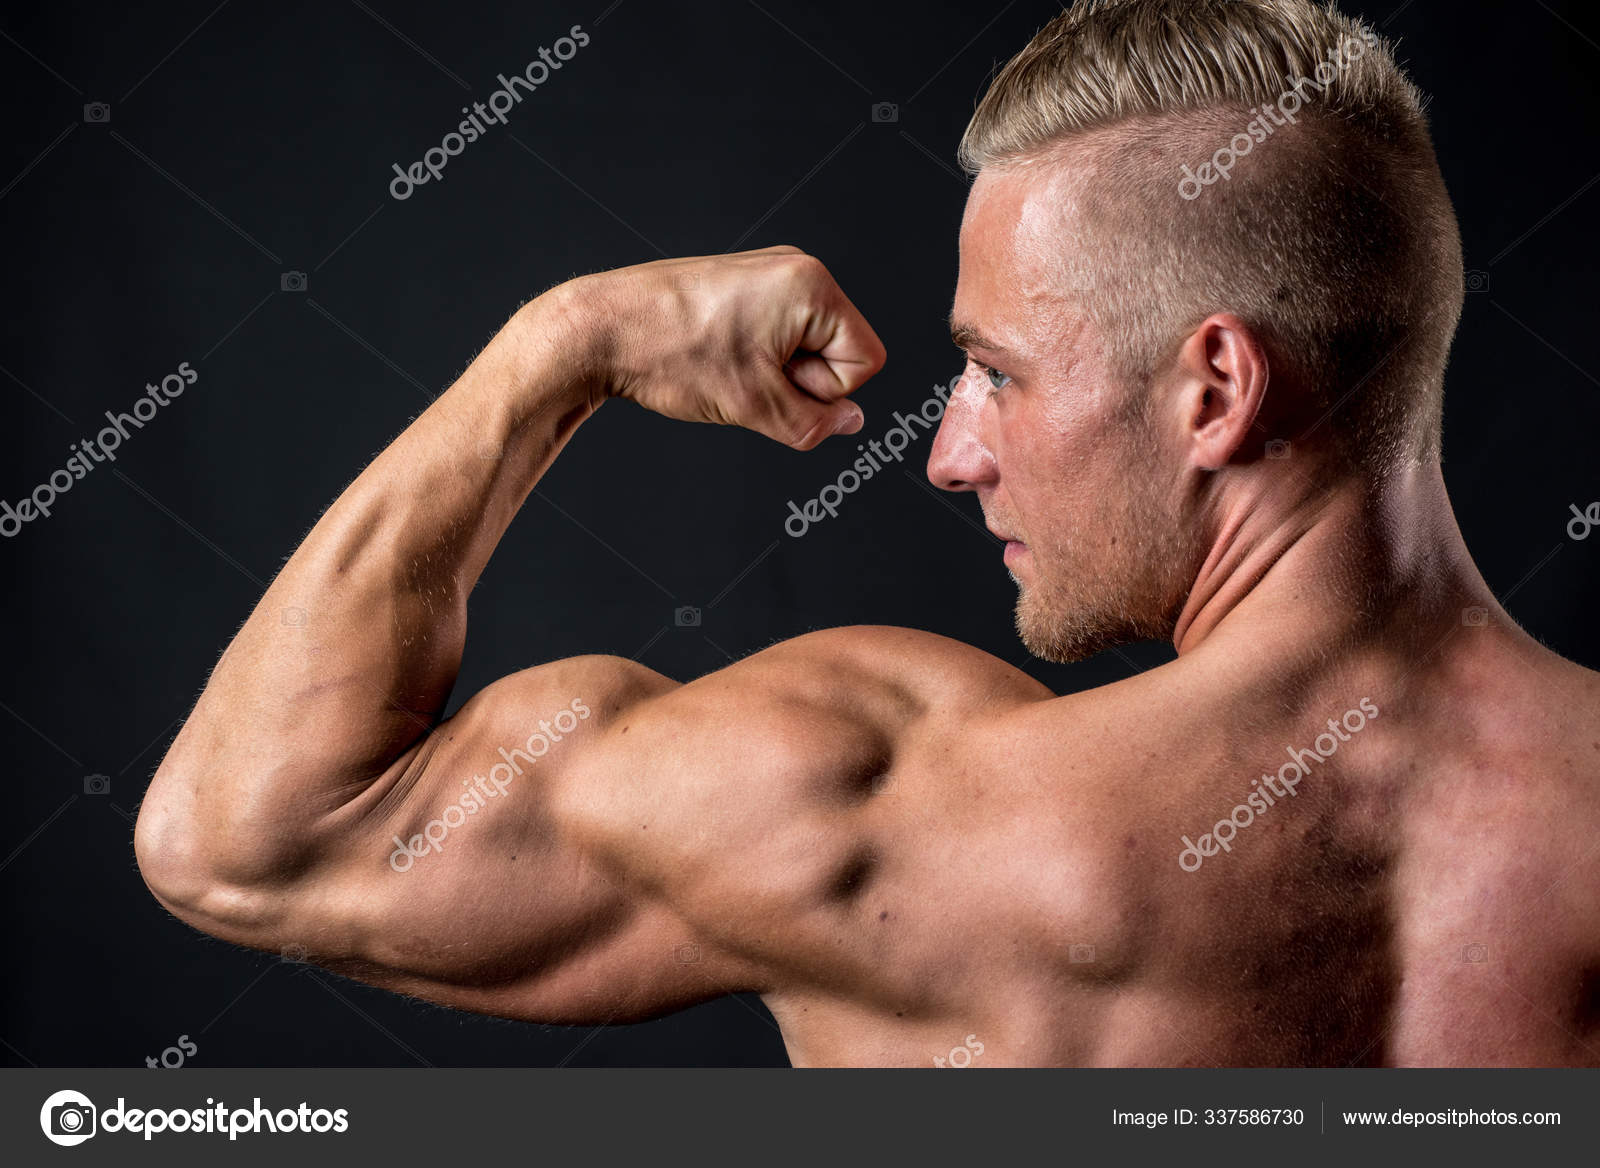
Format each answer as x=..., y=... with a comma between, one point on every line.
x=452, y=877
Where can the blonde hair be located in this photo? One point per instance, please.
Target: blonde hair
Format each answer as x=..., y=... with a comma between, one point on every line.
x=1329, y=230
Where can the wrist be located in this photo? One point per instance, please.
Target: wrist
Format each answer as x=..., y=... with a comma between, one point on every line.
x=565, y=342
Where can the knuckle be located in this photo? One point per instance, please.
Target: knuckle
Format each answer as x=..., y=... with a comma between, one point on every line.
x=801, y=433
x=878, y=356
x=804, y=268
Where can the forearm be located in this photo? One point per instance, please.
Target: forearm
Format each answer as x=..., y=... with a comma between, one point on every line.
x=353, y=650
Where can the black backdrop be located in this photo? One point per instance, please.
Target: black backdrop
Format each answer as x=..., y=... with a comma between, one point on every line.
x=243, y=141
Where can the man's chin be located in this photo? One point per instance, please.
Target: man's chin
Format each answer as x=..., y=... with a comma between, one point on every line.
x=1062, y=638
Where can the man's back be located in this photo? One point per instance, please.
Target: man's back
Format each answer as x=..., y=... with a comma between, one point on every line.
x=1422, y=894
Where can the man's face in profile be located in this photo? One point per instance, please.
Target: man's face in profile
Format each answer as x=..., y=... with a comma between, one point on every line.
x=1070, y=468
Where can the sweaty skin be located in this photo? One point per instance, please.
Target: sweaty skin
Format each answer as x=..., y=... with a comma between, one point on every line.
x=896, y=839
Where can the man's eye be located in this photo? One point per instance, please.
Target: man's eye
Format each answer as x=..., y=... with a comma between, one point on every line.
x=997, y=380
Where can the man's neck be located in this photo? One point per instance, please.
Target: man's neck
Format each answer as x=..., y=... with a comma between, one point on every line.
x=1356, y=551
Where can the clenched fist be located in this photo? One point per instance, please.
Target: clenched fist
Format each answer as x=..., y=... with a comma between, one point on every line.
x=760, y=339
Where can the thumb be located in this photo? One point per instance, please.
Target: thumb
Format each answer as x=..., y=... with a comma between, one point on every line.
x=799, y=420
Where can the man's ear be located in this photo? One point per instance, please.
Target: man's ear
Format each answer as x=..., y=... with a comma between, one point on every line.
x=1222, y=377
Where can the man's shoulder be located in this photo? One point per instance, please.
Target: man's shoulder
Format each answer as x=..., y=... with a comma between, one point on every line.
x=799, y=732
x=923, y=669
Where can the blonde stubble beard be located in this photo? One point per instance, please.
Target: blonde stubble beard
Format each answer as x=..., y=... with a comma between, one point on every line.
x=1143, y=553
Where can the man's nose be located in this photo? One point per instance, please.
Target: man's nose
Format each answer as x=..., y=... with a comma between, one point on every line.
x=959, y=460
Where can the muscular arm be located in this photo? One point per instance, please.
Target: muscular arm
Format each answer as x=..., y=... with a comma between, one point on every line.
x=313, y=800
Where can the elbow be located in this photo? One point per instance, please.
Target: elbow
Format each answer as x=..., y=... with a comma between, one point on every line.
x=166, y=847
x=192, y=867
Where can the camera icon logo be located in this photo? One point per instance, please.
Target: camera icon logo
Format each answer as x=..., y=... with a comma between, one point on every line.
x=294, y=617
x=1475, y=616
x=687, y=281
x=97, y=113
x=1278, y=448
x=885, y=111
x=67, y=1118
x=292, y=282
x=1477, y=281
x=686, y=617
x=1080, y=954
x=1474, y=954
x=97, y=784
x=687, y=954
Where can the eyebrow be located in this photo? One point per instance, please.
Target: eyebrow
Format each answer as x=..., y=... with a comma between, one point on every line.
x=967, y=336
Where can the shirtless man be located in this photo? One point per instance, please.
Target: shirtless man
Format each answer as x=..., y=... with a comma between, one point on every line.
x=1356, y=821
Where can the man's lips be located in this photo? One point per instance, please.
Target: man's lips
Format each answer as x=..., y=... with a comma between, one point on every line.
x=1014, y=547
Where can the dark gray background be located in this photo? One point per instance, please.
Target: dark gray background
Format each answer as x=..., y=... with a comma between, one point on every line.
x=251, y=139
